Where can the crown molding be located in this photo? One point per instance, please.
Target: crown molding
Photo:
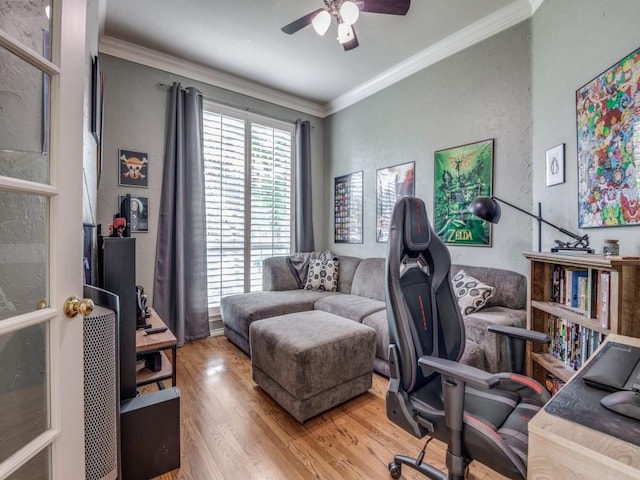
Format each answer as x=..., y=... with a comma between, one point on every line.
x=535, y=4
x=484, y=28
x=151, y=58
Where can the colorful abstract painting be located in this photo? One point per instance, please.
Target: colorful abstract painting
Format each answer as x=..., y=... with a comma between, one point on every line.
x=462, y=174
x=608, y=112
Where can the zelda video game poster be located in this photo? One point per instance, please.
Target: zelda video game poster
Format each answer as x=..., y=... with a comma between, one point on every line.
x=462, y=174
x=608, y=111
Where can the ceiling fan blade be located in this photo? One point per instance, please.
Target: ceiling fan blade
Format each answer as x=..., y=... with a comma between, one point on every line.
x=300, y=23
x=391, y=7
x=353, y=43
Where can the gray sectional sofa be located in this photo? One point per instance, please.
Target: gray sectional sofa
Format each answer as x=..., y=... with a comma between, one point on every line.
x=361, y=297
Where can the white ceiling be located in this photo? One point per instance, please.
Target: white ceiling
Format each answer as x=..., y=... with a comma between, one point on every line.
x=243, y=38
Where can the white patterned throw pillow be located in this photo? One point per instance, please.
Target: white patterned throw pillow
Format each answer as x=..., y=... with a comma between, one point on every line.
x=322, y=275
x=471, y=293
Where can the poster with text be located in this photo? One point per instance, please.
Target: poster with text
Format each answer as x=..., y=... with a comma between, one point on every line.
x=462, y=174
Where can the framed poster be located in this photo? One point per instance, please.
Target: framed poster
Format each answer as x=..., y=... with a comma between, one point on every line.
x=462, y=174
x=608, y=110
x=139, y=213
x=96, y=103
x=554, y=165
x=134, y=169
x=391, y=184
x=348, y=208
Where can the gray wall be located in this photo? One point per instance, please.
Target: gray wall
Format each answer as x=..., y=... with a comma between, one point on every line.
x=480, y=93
x=573, y=42
x=135, y=115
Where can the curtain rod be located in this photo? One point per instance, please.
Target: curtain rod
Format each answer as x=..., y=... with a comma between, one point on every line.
x=228, y=104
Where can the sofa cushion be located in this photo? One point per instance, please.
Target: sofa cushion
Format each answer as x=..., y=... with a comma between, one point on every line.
x=348, y=266
x=368, y=280
x=352, y=307
x=511, y=287
x=323, y=275
x=378, y=321
x=472, y=294
x=239, y=311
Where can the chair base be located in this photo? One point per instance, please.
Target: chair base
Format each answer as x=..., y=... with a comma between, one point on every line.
x=429, y=471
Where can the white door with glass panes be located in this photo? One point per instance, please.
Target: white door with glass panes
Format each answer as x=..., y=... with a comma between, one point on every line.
x=42, y=70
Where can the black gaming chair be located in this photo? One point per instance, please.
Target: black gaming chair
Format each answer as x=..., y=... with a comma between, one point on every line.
x=481, y=416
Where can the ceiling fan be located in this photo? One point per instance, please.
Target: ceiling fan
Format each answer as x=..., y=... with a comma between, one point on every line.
x=346, y=13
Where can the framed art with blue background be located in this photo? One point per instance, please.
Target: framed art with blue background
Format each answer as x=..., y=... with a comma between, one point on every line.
x=608, y=112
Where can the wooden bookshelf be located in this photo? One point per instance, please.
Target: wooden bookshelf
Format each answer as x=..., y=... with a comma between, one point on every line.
x=545, y=308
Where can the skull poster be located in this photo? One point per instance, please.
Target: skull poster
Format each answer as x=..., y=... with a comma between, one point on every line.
x=133, y=168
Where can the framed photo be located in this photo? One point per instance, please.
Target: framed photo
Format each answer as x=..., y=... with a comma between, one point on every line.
x=139, y=213
x=462, y=174
x=392, y=183
x=607, y=110
x=96, y=100
x=554, y=165
x=347, y=211
x=133, y=168
x=88, y=253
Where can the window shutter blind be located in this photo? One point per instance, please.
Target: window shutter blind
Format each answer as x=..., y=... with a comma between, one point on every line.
x=270, y=197
x=245, y=228
x=224, y=152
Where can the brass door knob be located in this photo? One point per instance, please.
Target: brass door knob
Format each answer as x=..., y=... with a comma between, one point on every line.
x=73, y=306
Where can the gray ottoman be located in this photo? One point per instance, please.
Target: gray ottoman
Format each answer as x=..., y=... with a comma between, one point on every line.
x=311, y=361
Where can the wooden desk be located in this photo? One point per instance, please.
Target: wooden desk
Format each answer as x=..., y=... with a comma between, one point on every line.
x=157, y=342
x=563, y=450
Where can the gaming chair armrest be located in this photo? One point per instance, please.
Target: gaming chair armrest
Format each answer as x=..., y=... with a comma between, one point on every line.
x=520, y=333
x=467, y=374
x=515, y=339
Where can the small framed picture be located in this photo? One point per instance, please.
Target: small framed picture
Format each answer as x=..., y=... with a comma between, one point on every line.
x=139, y=213
x=134, y=168
x=555, y=165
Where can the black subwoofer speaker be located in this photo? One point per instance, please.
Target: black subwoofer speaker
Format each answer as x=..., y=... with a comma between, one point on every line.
x=150, y=434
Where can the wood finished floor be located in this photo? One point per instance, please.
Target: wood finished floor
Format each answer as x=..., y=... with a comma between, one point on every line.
x=232, y=430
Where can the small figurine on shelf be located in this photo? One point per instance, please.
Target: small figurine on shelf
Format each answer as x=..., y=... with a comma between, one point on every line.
x=118, y=226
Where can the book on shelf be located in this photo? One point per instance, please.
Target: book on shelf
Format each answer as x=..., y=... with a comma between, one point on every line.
x=572, y=343
x=553, y=384
x=603, y=298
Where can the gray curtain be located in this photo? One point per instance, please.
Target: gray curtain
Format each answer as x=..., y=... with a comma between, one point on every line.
x=304, y=211
x=180, y=286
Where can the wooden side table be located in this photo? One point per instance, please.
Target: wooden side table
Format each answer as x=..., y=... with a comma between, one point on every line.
x=157, y=342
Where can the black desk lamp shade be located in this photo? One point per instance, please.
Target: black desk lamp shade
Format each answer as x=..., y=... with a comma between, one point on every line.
x=488, y=208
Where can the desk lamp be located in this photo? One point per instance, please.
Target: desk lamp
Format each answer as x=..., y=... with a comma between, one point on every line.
x=488, y=208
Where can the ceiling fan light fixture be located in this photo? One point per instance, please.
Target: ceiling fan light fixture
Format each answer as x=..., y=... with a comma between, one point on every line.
x=321, y=22
x=345, y=33
x=349, y=12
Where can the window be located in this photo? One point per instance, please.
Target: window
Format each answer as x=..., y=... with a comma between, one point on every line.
x=248, y=182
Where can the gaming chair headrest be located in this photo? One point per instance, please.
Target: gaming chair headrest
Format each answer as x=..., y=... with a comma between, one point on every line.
x=417, y=232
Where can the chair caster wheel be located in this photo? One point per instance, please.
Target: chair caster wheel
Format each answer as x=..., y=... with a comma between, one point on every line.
x=395, y=469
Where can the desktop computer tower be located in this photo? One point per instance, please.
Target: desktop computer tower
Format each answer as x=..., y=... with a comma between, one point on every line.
x=150, y=434
x=117, y=274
